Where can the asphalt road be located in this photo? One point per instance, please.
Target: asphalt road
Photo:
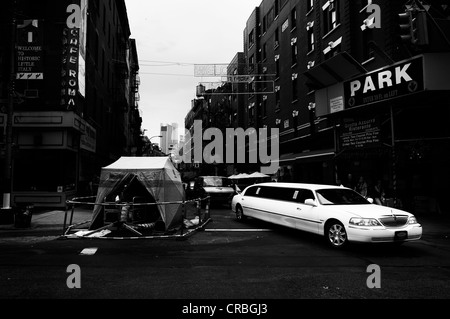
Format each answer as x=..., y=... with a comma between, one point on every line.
x=229, y=260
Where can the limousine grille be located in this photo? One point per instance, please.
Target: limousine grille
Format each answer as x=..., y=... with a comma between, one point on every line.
x=394, y=221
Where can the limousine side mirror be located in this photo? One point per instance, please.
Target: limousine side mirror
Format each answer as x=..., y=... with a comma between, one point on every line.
x=370, y=200
x=310, y=202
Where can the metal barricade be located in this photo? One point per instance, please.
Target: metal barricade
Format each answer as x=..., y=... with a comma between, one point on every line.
x=132, y=209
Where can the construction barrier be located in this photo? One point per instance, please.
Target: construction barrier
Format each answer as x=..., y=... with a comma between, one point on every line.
x=194, y=218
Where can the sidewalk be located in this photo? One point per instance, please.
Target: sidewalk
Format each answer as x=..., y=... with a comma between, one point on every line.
x=51, y=221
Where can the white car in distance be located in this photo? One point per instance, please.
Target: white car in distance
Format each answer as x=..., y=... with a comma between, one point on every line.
x=339, y=214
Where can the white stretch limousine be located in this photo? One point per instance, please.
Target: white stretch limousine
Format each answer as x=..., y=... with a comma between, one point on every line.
x=338, y=213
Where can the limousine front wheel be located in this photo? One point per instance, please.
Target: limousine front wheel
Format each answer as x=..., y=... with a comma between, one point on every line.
x=239, y=213
x=336, y=234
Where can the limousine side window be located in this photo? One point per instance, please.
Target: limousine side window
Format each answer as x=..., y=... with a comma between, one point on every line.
x=252, y=191
x=277, y=193
x=304, y=194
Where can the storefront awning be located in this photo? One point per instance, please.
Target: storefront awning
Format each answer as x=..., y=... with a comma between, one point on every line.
x=334, y=70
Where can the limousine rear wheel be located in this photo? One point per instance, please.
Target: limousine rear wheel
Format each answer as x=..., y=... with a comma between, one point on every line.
x=239, y=213
x=336, y=234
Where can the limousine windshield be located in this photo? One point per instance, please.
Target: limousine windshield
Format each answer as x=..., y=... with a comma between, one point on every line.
x=338, y=196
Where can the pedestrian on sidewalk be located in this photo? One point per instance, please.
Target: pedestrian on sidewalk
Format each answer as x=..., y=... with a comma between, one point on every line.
x=361, y=187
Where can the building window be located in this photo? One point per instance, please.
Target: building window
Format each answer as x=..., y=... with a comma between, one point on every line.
x=251, y=88
x=293, y=19
x=277, y=97
x=368, y=51
x=310, y=33
x=294, y=88
x=294, y=51
x=332, y=49
x=264, y=106
x=276, y=7
x=294, y=54
x=251, y=64
x=309, y=5
x=277, y=66
x=251, y=38
x=264, y=24
x=251, y=112
x=331, y=18
x=264, y=52
x=270, y=17
x=277, y=39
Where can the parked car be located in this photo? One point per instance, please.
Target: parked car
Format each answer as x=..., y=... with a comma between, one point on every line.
x=338, y=213
x=218, y=188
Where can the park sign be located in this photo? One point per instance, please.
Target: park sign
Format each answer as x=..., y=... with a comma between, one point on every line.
x=396, y=80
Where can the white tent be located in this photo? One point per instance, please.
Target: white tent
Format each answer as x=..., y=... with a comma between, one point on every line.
x=156, y=176
x=238, y=176
x=258, y=175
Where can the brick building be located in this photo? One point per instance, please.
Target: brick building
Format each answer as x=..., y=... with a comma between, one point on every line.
x=354, y=88
x=76, y=89
x=350, y=95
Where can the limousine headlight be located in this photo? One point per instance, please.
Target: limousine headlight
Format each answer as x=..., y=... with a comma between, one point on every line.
x=364, y=222
x=412, y=220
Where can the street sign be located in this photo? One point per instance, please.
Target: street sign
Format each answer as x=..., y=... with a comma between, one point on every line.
x=30, y=76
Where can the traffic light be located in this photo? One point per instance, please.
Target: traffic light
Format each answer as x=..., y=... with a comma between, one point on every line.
x=413, y=27
x=406, y=26
x=419, y=28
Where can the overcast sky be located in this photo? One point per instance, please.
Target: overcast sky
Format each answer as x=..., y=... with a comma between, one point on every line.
x=172, y=36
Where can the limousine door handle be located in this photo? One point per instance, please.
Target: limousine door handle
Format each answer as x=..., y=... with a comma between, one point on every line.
x=298, y=208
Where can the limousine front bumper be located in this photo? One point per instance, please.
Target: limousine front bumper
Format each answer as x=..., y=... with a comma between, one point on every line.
x=384, y=234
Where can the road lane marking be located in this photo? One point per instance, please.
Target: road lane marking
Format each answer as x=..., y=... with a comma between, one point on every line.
x=89, y=251
x=238, y=230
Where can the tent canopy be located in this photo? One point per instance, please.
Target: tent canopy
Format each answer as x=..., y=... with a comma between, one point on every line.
x=157, y=176
x=238, y=176
x=258, y=175
x=245, y=175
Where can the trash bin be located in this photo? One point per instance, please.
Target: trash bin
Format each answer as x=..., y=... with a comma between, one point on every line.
x=22, y=216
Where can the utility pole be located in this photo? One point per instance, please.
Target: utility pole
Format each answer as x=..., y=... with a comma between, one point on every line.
x=10, y=113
